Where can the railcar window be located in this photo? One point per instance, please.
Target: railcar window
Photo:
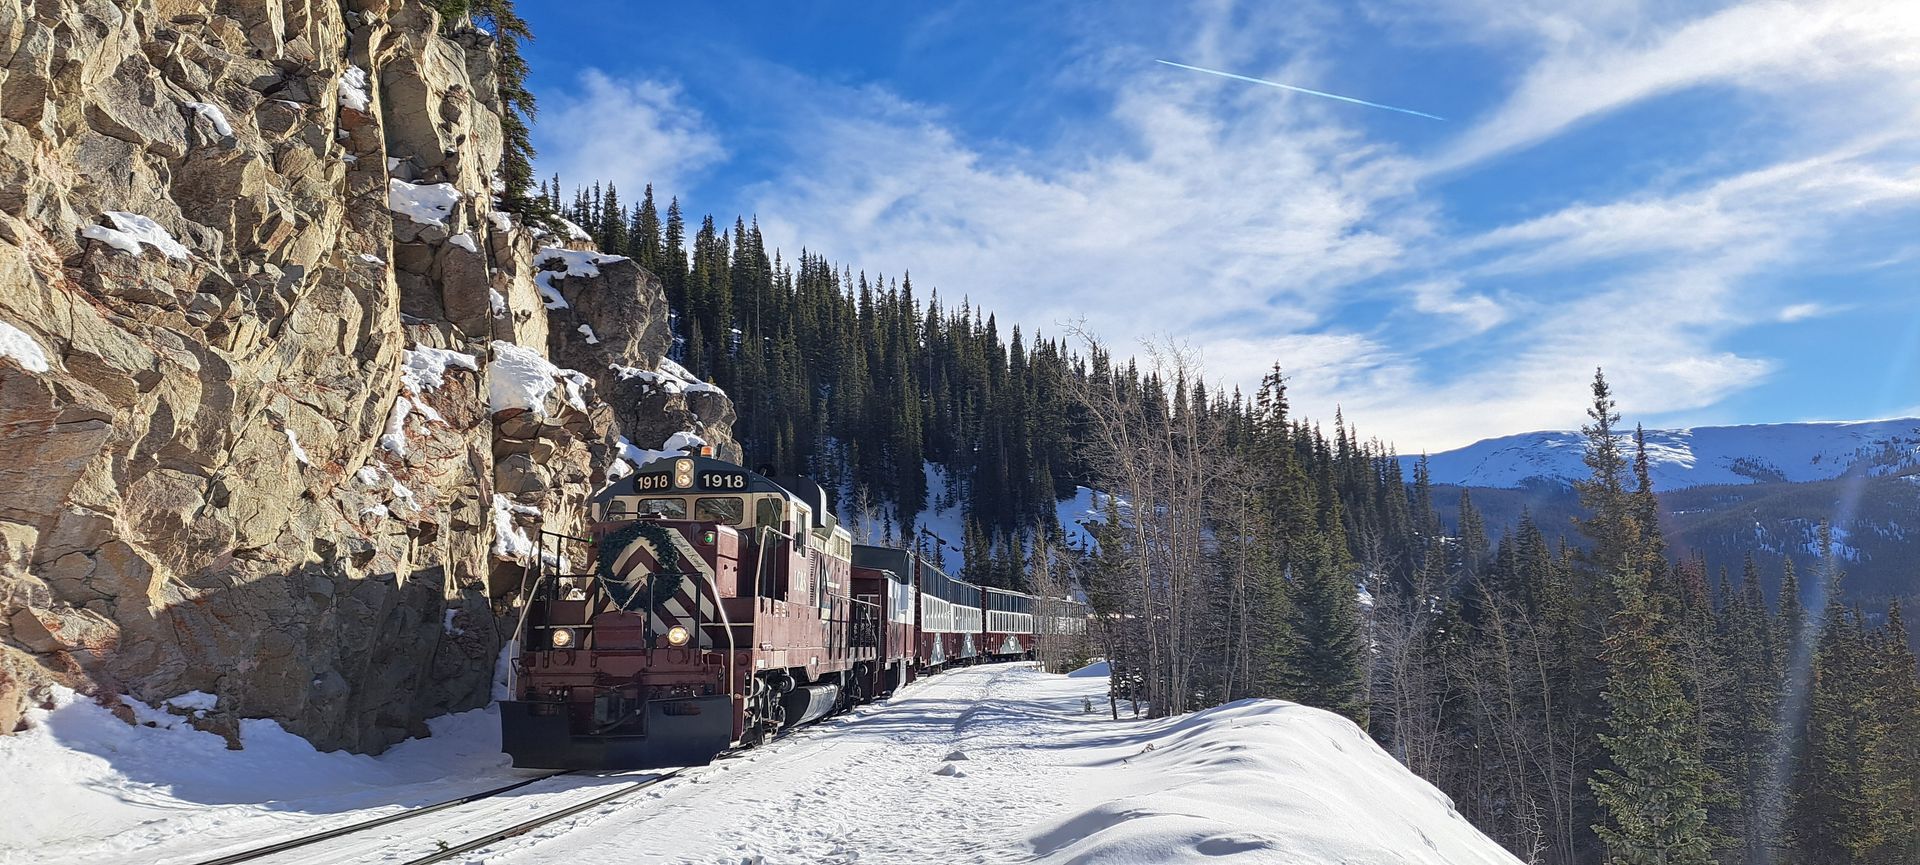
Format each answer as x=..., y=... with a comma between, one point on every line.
x=767, y=513
x=725, y=509
x=673, y=509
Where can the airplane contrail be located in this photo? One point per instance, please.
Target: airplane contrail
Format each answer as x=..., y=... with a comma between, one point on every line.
x=1303, y=90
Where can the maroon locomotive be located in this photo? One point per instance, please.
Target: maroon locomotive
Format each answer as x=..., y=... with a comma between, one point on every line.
x=721, y=606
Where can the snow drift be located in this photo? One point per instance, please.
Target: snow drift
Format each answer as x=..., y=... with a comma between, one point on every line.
x=1261, y=781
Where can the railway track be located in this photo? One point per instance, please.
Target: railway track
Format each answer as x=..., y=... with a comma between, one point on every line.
x=441, y=850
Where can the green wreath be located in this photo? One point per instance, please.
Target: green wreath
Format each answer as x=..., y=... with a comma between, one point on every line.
x=659, y=588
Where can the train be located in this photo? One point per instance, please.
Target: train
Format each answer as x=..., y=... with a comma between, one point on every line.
x=718, y=607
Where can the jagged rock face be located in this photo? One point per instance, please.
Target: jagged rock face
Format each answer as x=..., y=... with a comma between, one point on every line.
x=240, y=469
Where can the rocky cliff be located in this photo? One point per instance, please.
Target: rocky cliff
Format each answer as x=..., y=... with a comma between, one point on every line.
x=284, y=402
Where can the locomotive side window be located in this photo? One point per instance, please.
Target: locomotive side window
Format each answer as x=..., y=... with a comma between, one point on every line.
x=766, y=512
x=673, y=509
x=725, y=509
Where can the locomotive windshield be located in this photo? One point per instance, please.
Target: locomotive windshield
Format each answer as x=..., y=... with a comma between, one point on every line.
x=724, y=509
x=673, y=509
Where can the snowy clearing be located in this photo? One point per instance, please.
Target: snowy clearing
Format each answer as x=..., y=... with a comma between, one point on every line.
x=986, y=764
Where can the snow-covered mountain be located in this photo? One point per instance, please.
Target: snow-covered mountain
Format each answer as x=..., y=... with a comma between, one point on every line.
x=1701, y=456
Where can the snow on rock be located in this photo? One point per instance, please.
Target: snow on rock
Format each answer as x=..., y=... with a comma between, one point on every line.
x=574, y=232
x=293, y=444
x=353, y=89
x=130, y=230
x=632, y=458
x=424, y=203
x=22, y=348
x=368, y=475
x=575, y=262
x=1701, y=456
x=502, y=220
x=587, y=332
x=423, y=369
x=199, y=702
x=518, y=377
x=393, y=439
x=669, y=377
x=108, y=792
x=497, y=301
x=448, y=627
x=214, y=115
x=372, y=259
x=464, y=241
x=510, y=542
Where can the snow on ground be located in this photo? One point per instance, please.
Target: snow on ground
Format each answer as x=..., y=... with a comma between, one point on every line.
x=1699, y=456
x=1000, y=764
x=986, y=764
x=130, y=230
x=22, y=348
x=105, y=792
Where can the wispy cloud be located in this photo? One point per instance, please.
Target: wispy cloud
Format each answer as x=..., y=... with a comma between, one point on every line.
x=629, y=131
x=1265, y=230
x=1758, y=46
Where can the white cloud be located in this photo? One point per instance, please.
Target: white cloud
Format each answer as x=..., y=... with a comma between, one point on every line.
x=628, y=131
x=1263, y=227
x=1474, y=313
x=1803, y=311
x=1758, y=46
x=1184, y=224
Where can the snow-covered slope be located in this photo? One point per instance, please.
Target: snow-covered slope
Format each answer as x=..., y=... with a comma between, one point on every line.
x=1004, y=764
x=1694, y=457
x=982, y=764
x=106, y=792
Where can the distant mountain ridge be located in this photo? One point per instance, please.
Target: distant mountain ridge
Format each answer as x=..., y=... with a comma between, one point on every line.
x=1698, y=456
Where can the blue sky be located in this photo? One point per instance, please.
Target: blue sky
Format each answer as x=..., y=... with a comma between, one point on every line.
x=1720, y=205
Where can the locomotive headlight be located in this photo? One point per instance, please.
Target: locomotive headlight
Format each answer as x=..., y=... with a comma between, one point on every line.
x=677, y=636
x=562, y=638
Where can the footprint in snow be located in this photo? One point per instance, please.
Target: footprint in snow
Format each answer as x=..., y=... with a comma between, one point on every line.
x=951, y=771
x=958, y=755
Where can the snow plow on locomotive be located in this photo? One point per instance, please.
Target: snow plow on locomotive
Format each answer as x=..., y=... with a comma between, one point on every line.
x=720, y=606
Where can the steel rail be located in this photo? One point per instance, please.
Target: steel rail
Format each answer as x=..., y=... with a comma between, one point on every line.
x=304, y=840
x=535, y=823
